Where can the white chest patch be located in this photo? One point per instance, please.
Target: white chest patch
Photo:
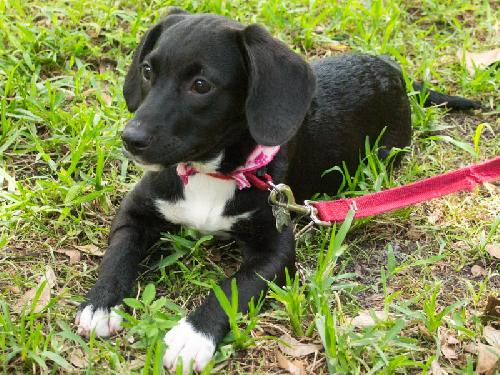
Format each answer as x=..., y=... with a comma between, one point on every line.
x=202, y=208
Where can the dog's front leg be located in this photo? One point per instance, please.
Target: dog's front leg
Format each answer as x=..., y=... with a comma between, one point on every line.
x=135, y=229
x=196, y=337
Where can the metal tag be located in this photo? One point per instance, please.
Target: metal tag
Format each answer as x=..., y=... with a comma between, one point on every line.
x=282, y=217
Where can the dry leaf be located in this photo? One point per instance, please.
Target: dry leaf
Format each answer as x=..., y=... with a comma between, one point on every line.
x=89, y=91
x=436, y=369
x=294, y=368
x=295, y=348
x=447, y=341
x=74, y=255
x=364, y=319
x=50, y=276
x=492, y=336
x=27, y=298
x=480, y=60
x=492, y=306
x=448, y=352
x=77, y=358
x=106, y=98
x=424, y=331
x=493, y=250
x=435, y=216
x=477, y=270
x=487, y=359
x=470, y=347
x=91, y=249
x=452, y=340
x=337, y=46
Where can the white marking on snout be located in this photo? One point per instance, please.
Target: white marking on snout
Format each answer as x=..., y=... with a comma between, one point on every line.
x=184, y=343
x=104, y=322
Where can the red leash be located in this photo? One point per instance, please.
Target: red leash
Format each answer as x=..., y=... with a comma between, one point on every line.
x=376, y=203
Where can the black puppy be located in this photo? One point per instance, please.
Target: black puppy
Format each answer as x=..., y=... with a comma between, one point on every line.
x=212, y=97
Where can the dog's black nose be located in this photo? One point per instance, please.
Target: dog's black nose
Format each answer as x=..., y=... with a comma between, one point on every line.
x=135, y=139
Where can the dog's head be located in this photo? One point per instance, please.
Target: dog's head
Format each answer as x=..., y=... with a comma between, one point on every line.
x=198, y=83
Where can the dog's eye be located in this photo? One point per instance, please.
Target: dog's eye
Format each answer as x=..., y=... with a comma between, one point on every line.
x=201, y=86
x=146, y=72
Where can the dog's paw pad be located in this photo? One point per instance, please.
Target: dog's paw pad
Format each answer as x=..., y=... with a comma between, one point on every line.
x=184, y=342
x=102, y=321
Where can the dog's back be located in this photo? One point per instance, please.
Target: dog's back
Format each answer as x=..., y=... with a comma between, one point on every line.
x=356, y=96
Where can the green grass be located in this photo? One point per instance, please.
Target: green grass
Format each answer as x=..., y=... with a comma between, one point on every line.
x=62, y=176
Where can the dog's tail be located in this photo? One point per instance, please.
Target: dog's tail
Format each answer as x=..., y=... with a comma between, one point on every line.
x=434, y=97
x=449, y=101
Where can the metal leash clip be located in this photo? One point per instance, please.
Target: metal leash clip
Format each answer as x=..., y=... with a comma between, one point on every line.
x=314, y=214
x=281, y=195
x=280, y=191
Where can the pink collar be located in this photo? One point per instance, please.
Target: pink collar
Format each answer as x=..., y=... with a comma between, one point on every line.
x=260, y=157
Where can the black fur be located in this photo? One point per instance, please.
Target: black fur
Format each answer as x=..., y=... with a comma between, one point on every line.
x=262, y=93
x=450, y=101
x=280, y=88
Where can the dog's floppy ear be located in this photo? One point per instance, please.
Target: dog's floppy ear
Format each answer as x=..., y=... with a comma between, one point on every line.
x=280, y=87
x=133, y=89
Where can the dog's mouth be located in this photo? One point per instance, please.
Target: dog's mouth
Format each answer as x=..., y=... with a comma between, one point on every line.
x=140, y=163
x=195, y=155
x=153, y=167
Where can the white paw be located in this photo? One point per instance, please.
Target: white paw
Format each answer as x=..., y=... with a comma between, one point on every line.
x=184, y=342
x=102, y=321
